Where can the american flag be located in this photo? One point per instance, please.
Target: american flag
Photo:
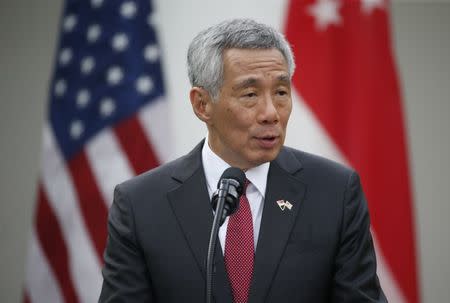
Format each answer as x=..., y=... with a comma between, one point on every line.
x=107, y=121
x=351, y=110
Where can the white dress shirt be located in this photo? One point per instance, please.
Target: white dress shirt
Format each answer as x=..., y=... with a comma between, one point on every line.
x=214, y=167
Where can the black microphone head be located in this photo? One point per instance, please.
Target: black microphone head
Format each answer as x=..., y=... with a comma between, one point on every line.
x=235, y=174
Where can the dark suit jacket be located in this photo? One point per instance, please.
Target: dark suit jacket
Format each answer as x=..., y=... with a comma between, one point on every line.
x=319, y=251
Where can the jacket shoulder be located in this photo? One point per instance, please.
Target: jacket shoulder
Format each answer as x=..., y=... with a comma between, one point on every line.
x=315, y=165
x=156, y=179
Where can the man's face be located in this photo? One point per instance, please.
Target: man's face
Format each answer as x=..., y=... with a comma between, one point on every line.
x=247, y=124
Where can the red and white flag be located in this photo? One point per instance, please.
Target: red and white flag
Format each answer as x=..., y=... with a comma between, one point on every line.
x=107, y=121
x=350, y=102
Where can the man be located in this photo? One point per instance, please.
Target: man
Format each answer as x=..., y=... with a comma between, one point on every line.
x=302, y=229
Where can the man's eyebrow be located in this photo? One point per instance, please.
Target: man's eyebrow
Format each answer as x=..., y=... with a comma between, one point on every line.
x=253, y=81
x=245, y=83
x=284, y=78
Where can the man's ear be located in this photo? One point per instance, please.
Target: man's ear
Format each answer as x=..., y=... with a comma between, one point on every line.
x=201, y=103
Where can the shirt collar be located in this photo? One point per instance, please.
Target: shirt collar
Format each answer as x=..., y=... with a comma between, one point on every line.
x=214, y=167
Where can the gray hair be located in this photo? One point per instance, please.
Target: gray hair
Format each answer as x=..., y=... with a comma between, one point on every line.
x=204, y=58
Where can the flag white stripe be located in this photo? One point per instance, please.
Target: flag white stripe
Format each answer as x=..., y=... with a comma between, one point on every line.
x=108, y=163
x=83, y=263
x=310, y=136
x=154, y=120
x=387, y=281
x=40, y=282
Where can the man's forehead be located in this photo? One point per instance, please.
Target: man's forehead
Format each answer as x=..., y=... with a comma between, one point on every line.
x=237, y=52
x=253, y=59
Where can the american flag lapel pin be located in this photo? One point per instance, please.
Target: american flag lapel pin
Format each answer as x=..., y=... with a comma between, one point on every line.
x=288, y=205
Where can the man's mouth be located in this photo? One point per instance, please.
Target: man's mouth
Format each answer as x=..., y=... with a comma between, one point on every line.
x=267, y=141
x=268, y=138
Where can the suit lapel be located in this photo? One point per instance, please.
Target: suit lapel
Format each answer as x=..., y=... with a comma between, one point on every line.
x=276, y=224
x=191, y=205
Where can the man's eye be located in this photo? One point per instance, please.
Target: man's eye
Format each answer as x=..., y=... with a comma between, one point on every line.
x=250, y=95
x=282, y=93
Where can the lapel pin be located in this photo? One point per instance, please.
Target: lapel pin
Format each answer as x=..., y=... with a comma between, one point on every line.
x=288, y=205
x=284, y=204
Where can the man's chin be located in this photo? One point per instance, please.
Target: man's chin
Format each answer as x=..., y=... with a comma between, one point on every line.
x=266, y=157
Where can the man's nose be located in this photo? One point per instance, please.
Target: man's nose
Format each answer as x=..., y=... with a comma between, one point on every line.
x=268, y=113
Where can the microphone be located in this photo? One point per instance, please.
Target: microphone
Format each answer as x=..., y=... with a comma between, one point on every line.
x=225, y=201
x=230, y=187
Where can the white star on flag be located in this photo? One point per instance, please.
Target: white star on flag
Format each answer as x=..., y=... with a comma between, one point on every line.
x=60, y=87
x=107, y=107
x=96, y=3
x=128, y=9
x=120, y=42
x=93, y=33
x=144, y=84
x=83, y=98
x=325, y=12
x=65, y=56
x=76, y=129
x=69, y=23
x=114, y=75
x=370, y=5
x=151, y=53
x=87, y=64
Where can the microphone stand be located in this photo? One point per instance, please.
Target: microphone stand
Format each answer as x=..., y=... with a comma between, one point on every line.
x=222, y=193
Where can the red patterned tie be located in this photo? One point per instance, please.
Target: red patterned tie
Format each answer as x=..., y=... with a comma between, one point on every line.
x=239, y=249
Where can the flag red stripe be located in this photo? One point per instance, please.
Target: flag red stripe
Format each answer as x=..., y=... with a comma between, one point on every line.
x=136, y=145
x=348, y=79
x=53, y=245
x=26, y=299
x=90, y=201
